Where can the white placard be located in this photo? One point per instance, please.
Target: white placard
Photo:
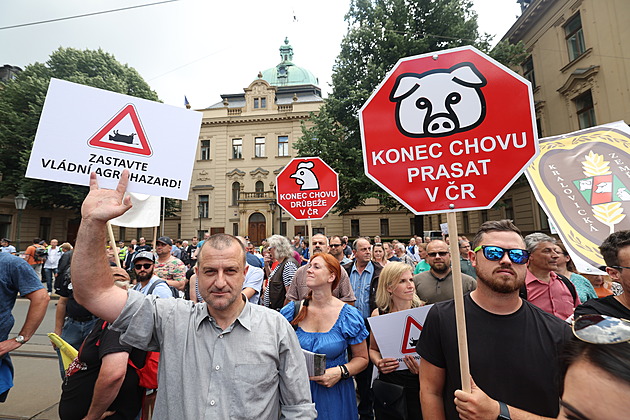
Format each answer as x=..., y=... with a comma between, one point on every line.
x=83, y=129
x=397, y=333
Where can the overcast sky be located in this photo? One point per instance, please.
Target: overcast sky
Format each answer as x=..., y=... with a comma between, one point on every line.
x=197, y=48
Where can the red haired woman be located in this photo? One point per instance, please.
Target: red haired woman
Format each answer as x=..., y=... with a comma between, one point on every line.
x=327, y=325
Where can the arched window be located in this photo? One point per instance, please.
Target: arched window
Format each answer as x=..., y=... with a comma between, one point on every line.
x=260, y=188
x=236, y=192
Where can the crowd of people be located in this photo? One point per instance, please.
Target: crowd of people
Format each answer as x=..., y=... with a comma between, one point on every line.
x=240, y=315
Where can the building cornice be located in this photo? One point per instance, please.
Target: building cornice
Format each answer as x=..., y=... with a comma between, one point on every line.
x=254, y=119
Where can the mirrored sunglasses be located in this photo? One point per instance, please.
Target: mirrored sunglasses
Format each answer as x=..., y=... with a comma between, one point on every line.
x=495, y=253
x=601, y=329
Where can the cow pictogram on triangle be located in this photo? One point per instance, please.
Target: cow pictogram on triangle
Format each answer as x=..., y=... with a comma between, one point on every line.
x=411, y=335
x=123, y=133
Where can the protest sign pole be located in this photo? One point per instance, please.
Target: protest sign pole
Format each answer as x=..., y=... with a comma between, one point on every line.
x=460, y=315
x=310, y=235
x=112, y=242
x=154, y=243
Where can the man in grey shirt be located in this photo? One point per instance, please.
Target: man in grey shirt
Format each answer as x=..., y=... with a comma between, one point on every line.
x=247, y=362
x=436, y=285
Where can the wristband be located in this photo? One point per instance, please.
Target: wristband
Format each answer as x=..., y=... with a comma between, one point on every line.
x=504, y=411
x=344, y=372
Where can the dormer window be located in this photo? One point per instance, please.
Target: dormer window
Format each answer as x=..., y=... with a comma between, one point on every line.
x=260, y=103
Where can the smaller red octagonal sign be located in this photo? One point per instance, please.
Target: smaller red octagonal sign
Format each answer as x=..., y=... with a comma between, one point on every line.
x=307, y=188
x=448, y=130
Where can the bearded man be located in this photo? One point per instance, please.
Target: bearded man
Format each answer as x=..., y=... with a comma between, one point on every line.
x=436, y=285
x=513, y=345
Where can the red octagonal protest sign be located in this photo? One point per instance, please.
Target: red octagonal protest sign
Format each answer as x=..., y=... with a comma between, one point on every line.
x=448, y=130
x=307, y=188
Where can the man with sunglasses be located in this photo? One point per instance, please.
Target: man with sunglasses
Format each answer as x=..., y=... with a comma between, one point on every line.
x=616, y=252
x=513, y=345
x=436, y=285
x=143, y=264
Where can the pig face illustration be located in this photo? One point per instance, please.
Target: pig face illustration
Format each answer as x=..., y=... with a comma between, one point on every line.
x=439, y=102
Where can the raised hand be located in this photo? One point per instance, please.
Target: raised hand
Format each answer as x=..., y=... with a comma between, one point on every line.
x=102, y=204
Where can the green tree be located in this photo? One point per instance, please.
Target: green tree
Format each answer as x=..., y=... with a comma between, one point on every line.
x=380, y=32
x=21, y=102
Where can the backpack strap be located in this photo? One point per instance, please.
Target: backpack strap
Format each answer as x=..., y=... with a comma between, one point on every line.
x=297, y=306
x=153, y=286
x=569, y=285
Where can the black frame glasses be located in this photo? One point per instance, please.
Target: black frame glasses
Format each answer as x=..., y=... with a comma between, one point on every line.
x=601, y=329
x=146, y=266
x=440, y=253
x=618, y=267
x=496, y=253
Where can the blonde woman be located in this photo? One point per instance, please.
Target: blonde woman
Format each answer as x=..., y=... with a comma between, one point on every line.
x=396, y=292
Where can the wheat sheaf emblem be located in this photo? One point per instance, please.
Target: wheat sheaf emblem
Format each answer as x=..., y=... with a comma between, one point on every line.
x=606, y=187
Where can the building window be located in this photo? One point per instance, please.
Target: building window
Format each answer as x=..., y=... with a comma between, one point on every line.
x=384, y=227
x=236, y=192
x=44, y=228
x=354, y=228
x=575, y=37
x=465, y=222
x=319, y=231
x=139, y=233
x=509, y=209
x=528, y=71
x=260, y=103
x=259, y=147
x=283, y=228
x=122, y=233
x=235, y=229
x=539, y=128
x=204, y=202
x=283, y=145
x=205, y=149
x=585, y=110
x=237, y=148
x=215, y=230
x=5, y=225
x=484, y=216
x=260, y=187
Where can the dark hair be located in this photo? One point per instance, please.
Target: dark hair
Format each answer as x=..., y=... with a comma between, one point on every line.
x=504, y=225
x=611, y=246
x=570, y=264
x=37, y=240
x=333, y=266
x=613, y=359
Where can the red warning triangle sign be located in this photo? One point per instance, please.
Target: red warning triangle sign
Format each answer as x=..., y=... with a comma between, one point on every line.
x=410, y=337
x=123, y=133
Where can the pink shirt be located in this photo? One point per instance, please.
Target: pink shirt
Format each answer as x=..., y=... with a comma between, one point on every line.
x=553, y=297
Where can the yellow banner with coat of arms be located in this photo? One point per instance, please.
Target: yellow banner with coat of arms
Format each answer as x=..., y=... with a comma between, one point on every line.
x=582, y=181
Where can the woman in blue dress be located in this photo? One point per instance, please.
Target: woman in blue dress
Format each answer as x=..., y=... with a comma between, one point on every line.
x=327, y=325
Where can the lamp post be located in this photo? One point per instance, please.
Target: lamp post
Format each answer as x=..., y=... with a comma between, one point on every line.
x=200, y=208
x=272, y=207
x=20, y=204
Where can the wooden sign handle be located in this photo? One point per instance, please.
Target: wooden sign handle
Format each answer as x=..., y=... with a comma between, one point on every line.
x=458, y=292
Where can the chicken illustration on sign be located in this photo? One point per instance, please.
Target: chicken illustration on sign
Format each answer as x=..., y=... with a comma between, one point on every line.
x=305, y=177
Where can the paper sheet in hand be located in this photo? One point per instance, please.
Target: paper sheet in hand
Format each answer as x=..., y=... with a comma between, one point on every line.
x=315, y=363
x=397, y=334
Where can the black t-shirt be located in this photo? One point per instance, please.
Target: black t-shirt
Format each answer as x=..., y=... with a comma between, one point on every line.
x=513, y=358
x=78, y=386
x=607, y=305
x=73, y=309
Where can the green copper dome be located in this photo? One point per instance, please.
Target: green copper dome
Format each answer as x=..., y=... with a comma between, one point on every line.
x=286, y=73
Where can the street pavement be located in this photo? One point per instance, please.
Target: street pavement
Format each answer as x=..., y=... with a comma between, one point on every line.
x=37, y=388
